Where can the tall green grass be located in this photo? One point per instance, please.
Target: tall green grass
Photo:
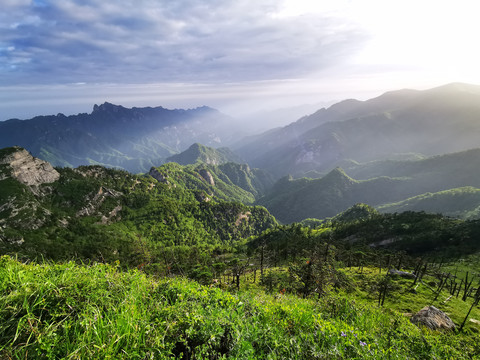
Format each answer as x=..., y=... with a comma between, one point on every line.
x=95, y=311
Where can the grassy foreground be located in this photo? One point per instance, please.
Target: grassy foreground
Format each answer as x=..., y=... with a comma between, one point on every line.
x=53, y=311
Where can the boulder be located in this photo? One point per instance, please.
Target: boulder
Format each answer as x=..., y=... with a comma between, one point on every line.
x=433, y=318
x=403, y=274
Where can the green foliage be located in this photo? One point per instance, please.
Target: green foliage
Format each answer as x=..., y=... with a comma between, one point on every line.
x=226, y=182
x=106, y=215
x=446, y=184
x=460, y=203
x=356, y=213
x=56, y=311
x=295, y=200
x=312, y=223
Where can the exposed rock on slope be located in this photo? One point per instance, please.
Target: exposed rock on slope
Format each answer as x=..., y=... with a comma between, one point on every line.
x=433, y=318
x=27, y=169
x=19, y=173
x=205, y=174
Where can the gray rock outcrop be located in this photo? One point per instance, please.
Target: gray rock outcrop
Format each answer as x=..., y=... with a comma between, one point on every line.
x=433, y=318
x=29, y=170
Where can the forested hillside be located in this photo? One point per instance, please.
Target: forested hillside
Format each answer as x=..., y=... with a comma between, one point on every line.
x=106, y=215
x=208, y=155
x=132, y=237
x=446, y=184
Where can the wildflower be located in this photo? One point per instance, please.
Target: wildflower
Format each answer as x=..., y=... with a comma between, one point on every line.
x=363, y=343
x=343, y=334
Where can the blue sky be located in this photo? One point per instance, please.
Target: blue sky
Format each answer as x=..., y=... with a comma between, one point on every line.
x=236, y=55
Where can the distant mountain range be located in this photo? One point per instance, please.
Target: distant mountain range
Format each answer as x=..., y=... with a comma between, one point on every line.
x=400, y=123
x=133, y=139
x=404, y=150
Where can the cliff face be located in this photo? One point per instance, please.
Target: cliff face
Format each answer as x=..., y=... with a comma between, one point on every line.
x=19, y=207
x=27, y=169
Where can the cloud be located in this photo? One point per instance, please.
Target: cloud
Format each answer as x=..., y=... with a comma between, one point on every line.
x=125, y=41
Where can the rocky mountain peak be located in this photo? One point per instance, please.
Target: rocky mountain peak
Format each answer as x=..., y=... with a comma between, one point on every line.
x=107, y=107
x=27, y=169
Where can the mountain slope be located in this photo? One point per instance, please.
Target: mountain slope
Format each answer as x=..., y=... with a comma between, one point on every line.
x=294, y=200
x=208, y=155
x=103, y=214
x=226, y=167
x=226, y=182
x=441, y=184
x=430, y=122
x=460, y=202
x=133, y=139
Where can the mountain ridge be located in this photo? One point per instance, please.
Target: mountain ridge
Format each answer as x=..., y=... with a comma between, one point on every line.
x=134, y=139
x=428, y=122
x=208, y=155
x=420, y=185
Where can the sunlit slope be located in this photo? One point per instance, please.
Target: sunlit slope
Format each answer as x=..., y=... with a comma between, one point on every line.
x=105, y=214
x=430, y=122
x=198, y=153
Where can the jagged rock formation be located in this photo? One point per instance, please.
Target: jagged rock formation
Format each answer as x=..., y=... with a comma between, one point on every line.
x=433, y=318
x=27, y=169
x=19, y=173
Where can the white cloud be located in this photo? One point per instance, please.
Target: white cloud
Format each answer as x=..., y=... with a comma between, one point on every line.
x=169, y=41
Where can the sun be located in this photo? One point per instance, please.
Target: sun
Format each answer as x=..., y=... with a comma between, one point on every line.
x=434, y=38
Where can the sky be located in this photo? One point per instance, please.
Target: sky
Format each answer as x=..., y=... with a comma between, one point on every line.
x=239, y=56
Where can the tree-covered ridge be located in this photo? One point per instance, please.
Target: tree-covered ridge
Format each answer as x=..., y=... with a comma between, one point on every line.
x=227, y=181
x=204, y=154
x=444, y=184
x=98, y=213
x=292, y=200
x=461, y=202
